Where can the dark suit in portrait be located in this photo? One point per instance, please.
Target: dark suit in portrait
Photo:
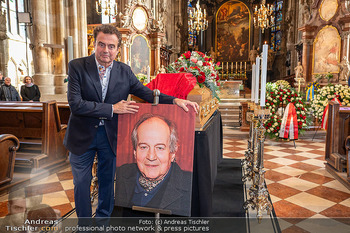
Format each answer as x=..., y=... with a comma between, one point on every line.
x=87, y=111
x=173, y=193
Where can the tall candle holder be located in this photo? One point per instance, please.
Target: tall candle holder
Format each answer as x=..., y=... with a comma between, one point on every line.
x=258, y=192
x=247, y=163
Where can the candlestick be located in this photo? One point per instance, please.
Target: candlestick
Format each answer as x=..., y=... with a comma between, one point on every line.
x=257, y=77
x=253, y=83
x=263, y=74
x=148, y=74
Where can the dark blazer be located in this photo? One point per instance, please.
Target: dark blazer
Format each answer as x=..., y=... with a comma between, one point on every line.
x=85, y=101
x=174, y=195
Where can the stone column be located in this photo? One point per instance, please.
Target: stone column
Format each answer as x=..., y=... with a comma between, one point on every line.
x=82, y=26
x=308, y=38
x=156, y=40
x=41, y=55
x=73, y=26
x=345, y=35
x=125, y=45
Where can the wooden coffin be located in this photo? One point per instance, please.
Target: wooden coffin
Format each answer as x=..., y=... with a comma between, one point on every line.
x=207, y=104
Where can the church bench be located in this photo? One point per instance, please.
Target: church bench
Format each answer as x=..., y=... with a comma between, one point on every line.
x=8, y=146
x=338, y=130
x=38, y=127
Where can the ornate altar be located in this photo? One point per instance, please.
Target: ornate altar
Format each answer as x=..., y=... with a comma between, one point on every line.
x=142, y=37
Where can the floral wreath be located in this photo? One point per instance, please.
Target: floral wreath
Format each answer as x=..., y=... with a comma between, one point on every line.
x=325, y=94
x=277, y=98
x=201, y=66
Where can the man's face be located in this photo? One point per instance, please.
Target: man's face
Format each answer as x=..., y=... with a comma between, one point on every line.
x=7, y=81
x=152, y=154
x=106, y=48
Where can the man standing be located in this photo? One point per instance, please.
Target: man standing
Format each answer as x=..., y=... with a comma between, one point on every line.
x=9, y=92
x=98, y=88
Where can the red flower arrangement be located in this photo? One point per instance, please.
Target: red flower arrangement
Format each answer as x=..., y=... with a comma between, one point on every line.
x=201, y=66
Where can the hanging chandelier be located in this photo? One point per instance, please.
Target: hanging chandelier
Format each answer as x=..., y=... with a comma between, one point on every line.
x=263, y=17
x=106, y=7
x=197, y=19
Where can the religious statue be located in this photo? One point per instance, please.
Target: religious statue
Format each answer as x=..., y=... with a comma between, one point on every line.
x=299, y=75
x=270, y=58
x=344, y=69
x=299, y=70
x=253, y=54
x=212, y=53
x=305, y=12
x=161, y=70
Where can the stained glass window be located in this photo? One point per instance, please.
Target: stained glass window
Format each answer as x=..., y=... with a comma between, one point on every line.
x=276, y=33
x=192, y=37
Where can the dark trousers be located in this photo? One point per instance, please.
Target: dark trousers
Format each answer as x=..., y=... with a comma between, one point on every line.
x=81, y=169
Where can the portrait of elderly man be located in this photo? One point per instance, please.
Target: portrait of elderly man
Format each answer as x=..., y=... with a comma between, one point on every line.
x=155, y=180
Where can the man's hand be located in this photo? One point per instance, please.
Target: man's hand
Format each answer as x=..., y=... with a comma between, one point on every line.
x=123, y=107
x=184, y=103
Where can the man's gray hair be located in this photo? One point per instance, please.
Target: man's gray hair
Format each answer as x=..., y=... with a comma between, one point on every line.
x=173, y=142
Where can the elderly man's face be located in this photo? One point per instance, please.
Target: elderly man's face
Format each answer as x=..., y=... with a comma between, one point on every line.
x=7, y=81
x=152, y=154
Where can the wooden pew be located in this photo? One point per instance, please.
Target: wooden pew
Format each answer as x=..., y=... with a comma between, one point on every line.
x=338, y=130
x=9, y=144
x=38, y=127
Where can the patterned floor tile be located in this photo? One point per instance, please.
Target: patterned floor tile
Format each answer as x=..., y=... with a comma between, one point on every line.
x=281, y=191
x=337, y=211
x=291, y=171
x=275, y=176
x=295, y=229
x=296, y=157
x=298, y=184
x=55, y=198
x=304, y=166
x=316, y=162
x=310, y=202
x=271, y=165
x=315, y=178
x=346, y=202
x=284, y=209
x=337, y=185
x=43, y=189
x=329, y=194
x=283, y=161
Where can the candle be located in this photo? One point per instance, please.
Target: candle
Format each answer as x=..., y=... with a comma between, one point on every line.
x=148, y=74
x=263, y=74
x=231, y=66
x=240, y=66
x=245, y=66
x=257, y=77
x=253, y=83
x=236, y=68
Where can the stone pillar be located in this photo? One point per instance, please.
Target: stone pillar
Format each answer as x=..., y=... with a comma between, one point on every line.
x=308, y=38
x=156, y=40
x=345, y=35
x=41, y=55
x=125, y=45
x=82, y=26
x=73, y=26
x=60, y=72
